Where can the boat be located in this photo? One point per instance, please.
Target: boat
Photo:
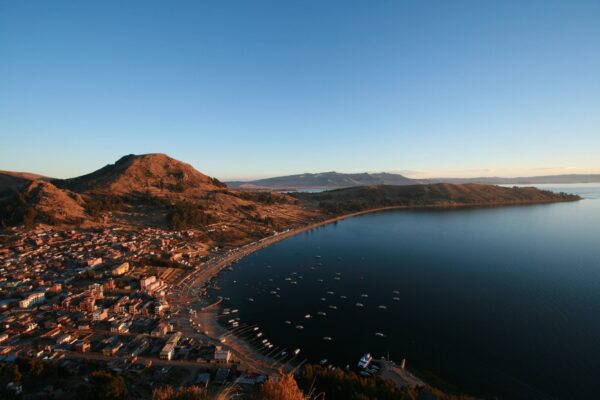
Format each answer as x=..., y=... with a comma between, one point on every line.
x=382, y=307
x=320, y=280
x=288, y=322
x=323, y=361
x=337, y=278
x=321, y=313
x=396, y=298
x=327, y=338
x=308, y=316
x=323, y=299
x=365, y=360
x=333, y=307
x=343, y=297
x=299, y=327
x=396, y=292
x=364, y=295
x=255, y=328
x=359, y=305
x=250, y=299
x=329, y=292
x=379, y=334
x=259, y=334
x=296, y=352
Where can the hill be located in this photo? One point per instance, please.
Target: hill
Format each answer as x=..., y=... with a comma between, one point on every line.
x=153, y=174
x=440, y=194
x=531, y=180
x=325, y=180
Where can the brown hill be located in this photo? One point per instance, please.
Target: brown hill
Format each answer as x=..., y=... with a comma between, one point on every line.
x=153, y=174
x=441, y=194
x=42, y=202
x=11, y=181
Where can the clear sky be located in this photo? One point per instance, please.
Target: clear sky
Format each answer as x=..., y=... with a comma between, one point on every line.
x=253, y=89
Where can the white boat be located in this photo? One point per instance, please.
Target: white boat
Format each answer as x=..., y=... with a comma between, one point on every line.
x=322, y=314
x=359, y=305
x=299, y=327
x=343, y=297
x=396, y=298
x=327, y=338
x=250, y=299
x=364, y=295
x=296, y=352
x=365, y=360
x=288, y=322
x=329, y=292
x=323, y=361
x=308, y=316
x=333, y=307
x=379, y=334
x=382, y=307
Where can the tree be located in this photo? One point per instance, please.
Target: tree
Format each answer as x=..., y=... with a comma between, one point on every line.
x=285, y=388
x=106, y=386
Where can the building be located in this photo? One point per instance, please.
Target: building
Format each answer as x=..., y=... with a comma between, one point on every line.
x=222, y=356
x=168, y=351
x=120, y=269
x=32, y=299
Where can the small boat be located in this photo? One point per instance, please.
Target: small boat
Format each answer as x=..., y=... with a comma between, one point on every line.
x=317, y=256
x=327, y=338
x=343, y=297
x=273, y=292
x=337, y=278
x=234, y=310
x=259, y=334
x=320, y=280
x=288, y=322
x=329, y=292
x=364, y=295
x=264, y=341
x=321, y=313
x=250, y=299
x=365, y=360
x=333, y=307
x=396, y=292
x=255, y=328
x=296, y=352
x=396, y=298
x=283, y=353
x=308, y=316
x=379, y=334
x=323, y=299
x=382, y=307
x=299, y=327
x=359, y=305
x=323, y=361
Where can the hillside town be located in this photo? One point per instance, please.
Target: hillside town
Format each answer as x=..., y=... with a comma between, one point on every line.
x=72, y=295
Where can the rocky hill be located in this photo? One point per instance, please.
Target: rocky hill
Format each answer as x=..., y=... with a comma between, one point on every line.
x=154, y=174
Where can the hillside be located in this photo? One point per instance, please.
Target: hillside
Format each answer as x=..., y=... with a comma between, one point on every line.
x=530, y=180
x=325, y=180
x=153, y=174
x=363, y=198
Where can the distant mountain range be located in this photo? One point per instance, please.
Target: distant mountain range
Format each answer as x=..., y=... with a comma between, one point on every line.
x=335, y=180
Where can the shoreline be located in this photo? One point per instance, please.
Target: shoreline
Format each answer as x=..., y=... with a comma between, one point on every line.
x=196, y=279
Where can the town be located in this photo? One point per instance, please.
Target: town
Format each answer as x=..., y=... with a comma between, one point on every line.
x=66, y=296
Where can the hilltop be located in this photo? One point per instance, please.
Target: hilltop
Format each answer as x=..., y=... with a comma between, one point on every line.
x=153, y=174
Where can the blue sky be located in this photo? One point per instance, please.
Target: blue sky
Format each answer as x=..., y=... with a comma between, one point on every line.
x=253, y=88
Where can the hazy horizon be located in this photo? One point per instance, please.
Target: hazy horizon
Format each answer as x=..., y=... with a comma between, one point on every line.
x=246, y=91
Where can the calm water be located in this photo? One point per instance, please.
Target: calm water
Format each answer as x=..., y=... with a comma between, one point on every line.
x=499, y=301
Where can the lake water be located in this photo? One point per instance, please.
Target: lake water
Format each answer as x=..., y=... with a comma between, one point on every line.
x=496, y=301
